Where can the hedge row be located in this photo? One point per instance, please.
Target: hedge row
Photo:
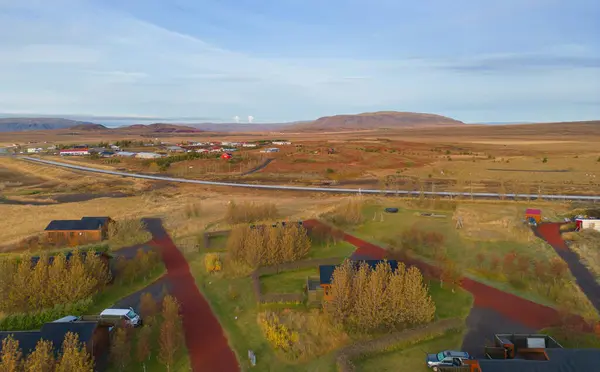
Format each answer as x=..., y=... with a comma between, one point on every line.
x=34, y=320
x=362, y=348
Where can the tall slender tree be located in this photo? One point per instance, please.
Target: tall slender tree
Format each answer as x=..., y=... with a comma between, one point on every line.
x=11, y=356
x=41, y=359
x=74, y=357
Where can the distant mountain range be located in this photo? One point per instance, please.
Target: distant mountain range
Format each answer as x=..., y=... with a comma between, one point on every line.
x=27, y=124
x=365, y=121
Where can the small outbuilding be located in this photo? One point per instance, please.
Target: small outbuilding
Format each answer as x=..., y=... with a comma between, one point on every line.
x=78, y=232
x=533, y=214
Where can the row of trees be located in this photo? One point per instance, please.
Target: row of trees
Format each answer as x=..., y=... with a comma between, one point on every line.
x=28, y=286
x=266, y=245
x=160, y=337
x=369, y=299
x=72, y=357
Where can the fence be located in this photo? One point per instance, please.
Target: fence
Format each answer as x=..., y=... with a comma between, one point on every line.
x=422, y=333
x=290, y=266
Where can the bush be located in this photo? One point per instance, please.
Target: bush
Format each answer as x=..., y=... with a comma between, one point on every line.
x=348, y=213
x=127, y=232
x=212, y=262
x=34, y=320
x=248, y=212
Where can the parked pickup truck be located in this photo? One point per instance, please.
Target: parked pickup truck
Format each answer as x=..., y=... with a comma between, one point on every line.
x=447, y=359
x=115, y=316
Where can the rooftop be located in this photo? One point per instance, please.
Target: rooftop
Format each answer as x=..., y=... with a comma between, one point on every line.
x=54, y=332
x=560, y=360
x=86, y=223
x=326, y=271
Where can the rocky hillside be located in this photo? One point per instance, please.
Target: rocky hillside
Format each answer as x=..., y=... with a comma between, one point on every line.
x=375, y=120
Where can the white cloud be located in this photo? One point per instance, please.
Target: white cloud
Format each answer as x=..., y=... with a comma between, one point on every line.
x=97, y=61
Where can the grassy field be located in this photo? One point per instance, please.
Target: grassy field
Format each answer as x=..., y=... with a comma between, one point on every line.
x=409, y=357
x=489, y=229
x=573, y=339
x=324, y=250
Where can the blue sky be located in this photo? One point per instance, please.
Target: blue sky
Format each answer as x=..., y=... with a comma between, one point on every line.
x=285, y=60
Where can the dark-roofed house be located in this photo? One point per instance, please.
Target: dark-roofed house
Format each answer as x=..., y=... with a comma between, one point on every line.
x=78, y=232
x=536, y=353
x=96, y=337
x=326, y=273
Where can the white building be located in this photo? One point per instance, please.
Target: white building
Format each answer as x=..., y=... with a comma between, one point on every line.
x=74, y=152
x=272, y=149
x=281, y=142
x=34, y=150
x=587, y=223
x=126, y=154
x=229, y=149
x=249, y=145
x=148, y=155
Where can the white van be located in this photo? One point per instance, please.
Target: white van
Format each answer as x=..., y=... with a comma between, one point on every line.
x=114, y=315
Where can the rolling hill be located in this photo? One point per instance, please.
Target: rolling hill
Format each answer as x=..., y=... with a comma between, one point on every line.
x=29, y=124
x=374, y=120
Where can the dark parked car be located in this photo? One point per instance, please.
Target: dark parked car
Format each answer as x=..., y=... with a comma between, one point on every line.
x=446, y=358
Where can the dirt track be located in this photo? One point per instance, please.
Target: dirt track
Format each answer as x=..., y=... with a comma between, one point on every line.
x=206, y=343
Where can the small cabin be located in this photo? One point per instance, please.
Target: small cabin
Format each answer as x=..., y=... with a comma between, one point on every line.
x=533, y=214
x=78, y=232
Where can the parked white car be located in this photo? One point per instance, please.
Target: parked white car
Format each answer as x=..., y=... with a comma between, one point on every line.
x=128, y=315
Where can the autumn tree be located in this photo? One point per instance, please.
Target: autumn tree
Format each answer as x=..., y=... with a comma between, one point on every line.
x=41, y=359
x=378, y=298
x=11, y=356
x=170, y=340
x=450, y=274
x=120, y=349
x=144, y=345
x=74, y=357
x=148, y=308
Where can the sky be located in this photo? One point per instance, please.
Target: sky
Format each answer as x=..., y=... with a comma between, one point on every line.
x=288, y=60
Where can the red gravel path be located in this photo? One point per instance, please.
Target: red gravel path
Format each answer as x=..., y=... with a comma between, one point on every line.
x=516, y=308
x=550, y=232
x=204, y=337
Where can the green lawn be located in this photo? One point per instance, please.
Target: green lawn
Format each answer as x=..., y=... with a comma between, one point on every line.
x=448, y=304
x=463, y=250
x=287, y=282
x=231, y=297
x=324, y=250
x=572, y=339
x=410, y=358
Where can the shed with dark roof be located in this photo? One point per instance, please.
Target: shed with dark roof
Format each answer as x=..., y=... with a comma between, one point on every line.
x=77, y=232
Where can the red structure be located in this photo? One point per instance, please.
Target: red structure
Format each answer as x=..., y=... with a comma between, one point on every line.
x=536, y=214
x=226, y=156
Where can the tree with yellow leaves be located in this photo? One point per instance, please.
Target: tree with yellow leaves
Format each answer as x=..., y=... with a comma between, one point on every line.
x=74, y=357
x=41, y=359
x=11, y=356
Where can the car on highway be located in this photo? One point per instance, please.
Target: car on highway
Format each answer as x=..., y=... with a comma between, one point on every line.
x=446, y=358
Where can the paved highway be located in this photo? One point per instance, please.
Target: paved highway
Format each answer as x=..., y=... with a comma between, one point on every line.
x=479, y=195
